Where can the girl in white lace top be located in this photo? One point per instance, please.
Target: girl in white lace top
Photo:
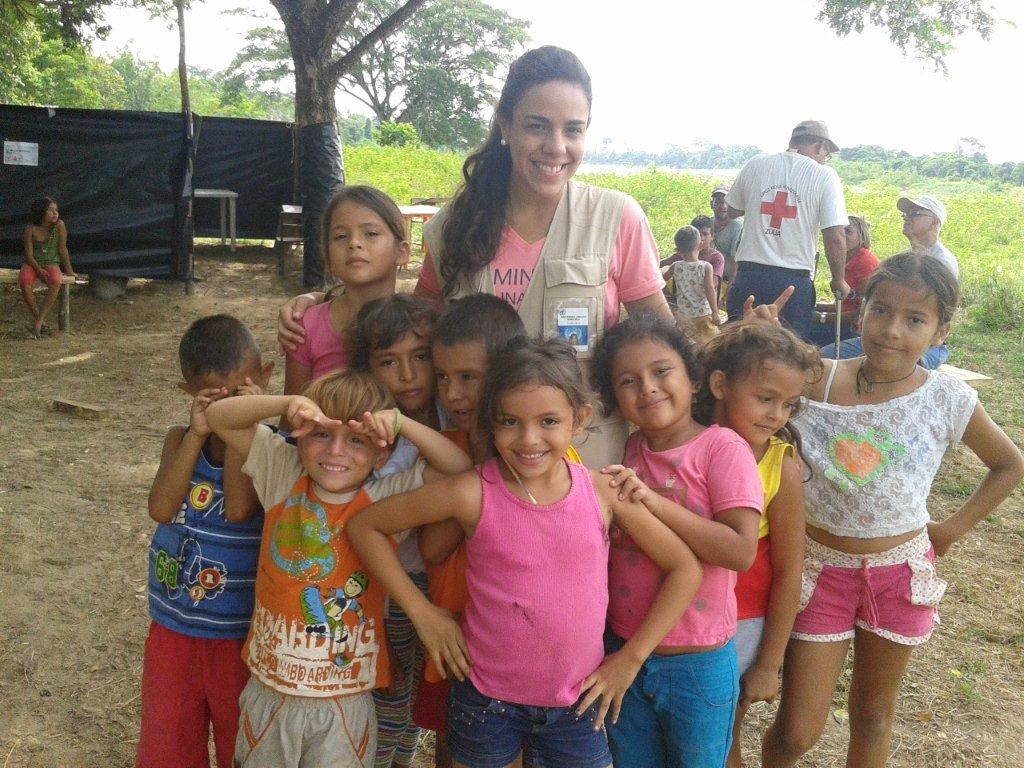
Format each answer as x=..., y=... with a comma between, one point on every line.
x=874, y=432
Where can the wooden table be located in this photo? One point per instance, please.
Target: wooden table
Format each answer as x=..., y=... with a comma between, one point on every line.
x=420, y=213
x=227, y=200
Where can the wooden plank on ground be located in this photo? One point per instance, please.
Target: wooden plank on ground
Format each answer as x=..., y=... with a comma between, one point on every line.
x=973, y=378
x=79, y=409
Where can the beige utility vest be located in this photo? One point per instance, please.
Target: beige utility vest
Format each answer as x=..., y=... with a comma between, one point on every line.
x=565, y=296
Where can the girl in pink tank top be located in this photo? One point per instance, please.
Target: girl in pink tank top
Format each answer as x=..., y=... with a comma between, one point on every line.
x=537, y=530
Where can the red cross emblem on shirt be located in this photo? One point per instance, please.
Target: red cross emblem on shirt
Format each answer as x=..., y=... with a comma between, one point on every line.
x=778, y=209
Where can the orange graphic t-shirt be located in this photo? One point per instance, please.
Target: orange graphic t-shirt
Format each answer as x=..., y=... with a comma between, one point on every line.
x=318, y=624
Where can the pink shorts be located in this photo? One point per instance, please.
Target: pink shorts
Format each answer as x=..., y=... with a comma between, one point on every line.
x=28, y=276
x=893, y=594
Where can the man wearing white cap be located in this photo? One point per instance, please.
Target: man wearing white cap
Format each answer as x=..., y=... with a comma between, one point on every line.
x=923, y=217
x=785, y=199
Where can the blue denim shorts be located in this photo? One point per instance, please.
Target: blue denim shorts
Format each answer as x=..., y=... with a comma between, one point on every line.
x=488, y=733
x=679, y=711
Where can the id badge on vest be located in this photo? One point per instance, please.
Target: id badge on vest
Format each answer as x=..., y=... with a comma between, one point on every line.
x=574, y=302
x=575, y=320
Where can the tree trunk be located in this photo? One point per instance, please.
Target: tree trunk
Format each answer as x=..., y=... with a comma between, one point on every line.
x=313, y=27
x=321, y=172
x=188, y=258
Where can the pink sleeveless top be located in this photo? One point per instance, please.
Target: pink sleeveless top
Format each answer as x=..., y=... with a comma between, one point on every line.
x=538, y=592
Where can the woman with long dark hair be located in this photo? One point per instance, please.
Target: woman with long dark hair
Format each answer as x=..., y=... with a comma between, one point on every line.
x=566, y=255
x=46, y=259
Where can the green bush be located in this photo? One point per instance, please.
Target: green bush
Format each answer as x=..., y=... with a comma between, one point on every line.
x=404, y=173
x=389, y=134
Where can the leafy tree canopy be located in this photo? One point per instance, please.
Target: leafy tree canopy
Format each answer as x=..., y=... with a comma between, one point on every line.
x=923, y=28
x=436, y=73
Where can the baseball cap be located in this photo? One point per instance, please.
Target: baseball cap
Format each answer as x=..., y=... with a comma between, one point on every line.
x=721, y=189
x=816, y=129
x=906, y=204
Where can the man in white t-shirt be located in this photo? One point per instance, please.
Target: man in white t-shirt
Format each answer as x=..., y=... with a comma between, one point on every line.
x=785, y=199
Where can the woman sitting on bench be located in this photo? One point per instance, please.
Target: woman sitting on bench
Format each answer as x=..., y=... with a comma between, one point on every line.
x=46, y=246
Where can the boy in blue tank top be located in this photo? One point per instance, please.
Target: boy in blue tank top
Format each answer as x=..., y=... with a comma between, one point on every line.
x=202, y=561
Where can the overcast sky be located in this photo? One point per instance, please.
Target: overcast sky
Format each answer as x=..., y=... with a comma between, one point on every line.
x=738, y=72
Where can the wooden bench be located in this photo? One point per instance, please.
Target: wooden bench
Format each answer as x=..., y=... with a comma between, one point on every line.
x=10, y=277
x=967, y=377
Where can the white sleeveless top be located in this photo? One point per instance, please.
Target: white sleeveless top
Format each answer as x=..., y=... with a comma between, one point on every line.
x=691, y=299
x=873, y=465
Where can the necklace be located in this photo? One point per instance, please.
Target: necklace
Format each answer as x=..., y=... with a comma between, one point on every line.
x=521, y=483
x=869, y=385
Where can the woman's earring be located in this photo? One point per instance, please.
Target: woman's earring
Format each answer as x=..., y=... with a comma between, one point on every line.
x=503, y=143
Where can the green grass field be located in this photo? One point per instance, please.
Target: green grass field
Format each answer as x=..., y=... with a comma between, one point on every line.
x=985, y=229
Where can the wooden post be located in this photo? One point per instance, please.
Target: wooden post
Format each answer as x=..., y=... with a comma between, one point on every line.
x=186, y=109
x=64, y=318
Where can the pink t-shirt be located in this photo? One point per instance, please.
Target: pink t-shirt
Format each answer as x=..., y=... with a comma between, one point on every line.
x=632, y=270
x=716, y=260
x=708, y=474
x=323, y=351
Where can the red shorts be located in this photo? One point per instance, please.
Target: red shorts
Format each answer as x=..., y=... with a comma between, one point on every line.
x=28, y=276
x=429, y=710
x=189, y=683
x=894, y=594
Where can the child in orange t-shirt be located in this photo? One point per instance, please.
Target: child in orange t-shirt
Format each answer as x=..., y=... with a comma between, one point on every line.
x=314, y=645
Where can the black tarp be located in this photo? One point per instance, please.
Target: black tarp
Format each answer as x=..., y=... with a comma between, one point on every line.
x=250, y=157
x=119, y=178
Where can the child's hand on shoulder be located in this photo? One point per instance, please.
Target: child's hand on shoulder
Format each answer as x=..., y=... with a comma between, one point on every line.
x=759, y=684
x=607, y=685
x=443, y=641
x=382, y=427
x=630, y=486
x=304, y=415
x=197, y=423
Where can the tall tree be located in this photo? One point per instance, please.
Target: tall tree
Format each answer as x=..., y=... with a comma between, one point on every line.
x=925, y=28
x=313, y=28
x=438, y=72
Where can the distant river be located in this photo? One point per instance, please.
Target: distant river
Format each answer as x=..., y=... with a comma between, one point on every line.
x=626, y=170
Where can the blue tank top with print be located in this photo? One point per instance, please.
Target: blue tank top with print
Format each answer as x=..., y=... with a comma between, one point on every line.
x=202, y=569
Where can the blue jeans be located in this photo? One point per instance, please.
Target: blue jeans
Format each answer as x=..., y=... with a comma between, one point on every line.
x=679, y=712
x=932, y=358
x=821, y=335
x=488, y=733
x=765, y=283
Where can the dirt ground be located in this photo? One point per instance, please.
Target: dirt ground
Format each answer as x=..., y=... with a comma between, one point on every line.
x=74, y=535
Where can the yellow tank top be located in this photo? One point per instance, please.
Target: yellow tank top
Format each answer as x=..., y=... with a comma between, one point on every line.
x=769, y=468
